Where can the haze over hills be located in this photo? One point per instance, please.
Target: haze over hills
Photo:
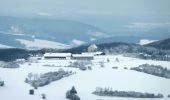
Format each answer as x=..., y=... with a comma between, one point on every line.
x=162, y=44
x=35, y=33
x=17, y=32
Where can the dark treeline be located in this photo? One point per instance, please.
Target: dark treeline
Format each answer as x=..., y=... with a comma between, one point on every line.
x=17, y=53
x=135, y=50
x=162, y=44
x=143, y=52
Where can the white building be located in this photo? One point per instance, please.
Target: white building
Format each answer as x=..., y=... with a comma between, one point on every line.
x=57, y=56
x=65, y=56
x=92, y=48
x=82, y=56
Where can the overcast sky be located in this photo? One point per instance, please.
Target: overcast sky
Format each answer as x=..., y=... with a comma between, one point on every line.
x=89, y=7
x=101, y=13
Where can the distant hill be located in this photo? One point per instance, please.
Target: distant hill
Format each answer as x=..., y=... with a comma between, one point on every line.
x=31, y=33
x=125, y=39
x=57, y=32
x=161, y=44
x=113, y=47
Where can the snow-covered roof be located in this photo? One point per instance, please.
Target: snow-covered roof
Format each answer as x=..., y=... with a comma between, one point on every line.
x=92, y=53
x=57, y=54
x=82, y=55
x=93, y=46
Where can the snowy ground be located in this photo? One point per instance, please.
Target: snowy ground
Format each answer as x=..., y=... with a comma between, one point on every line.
x=85, y=81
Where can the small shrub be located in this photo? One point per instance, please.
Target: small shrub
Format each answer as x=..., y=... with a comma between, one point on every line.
x=71, y=94
x=83, y=68
x=31, y=92
x=101, y=64
x=76, y=97
x=89, y=68
x=73, y=90
x=2, y=83
x=159, y=96
x=168, y=96
x=108, y=60
x=26, y=80
x=125, y=68
x=114, y=67
x=117, y=59
x=43, y=96
x=36, y=87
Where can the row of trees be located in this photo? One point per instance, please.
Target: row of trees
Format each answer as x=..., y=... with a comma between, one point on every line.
x=138, y=51
x=156, y=70
x=40, y=80
x=109, y=92
x=9, y=65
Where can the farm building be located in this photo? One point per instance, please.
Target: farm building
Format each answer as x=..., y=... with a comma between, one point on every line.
x=57, y=56
x=93, y=53
x=65, y=56
x=92, y=48
x=82, y=57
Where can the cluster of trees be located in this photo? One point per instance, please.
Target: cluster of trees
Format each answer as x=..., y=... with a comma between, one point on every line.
x=156, y=70
x=44, y=79
x=72, y=94
x=132, y=94
x=81, y=64
x=9, y=65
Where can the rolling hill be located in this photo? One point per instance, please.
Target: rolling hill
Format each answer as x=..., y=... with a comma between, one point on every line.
x=161, y=44
x=65, y=32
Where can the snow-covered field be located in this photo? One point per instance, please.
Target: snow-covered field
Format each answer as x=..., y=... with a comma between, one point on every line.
x=85, y=82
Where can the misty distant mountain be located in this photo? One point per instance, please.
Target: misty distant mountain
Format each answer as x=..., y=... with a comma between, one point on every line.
x=51, y=33
x=127, y=39
x=60, y=31
x=136, y=37
x=161, y=44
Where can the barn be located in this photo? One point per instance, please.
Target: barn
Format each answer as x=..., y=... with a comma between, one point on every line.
x=82, y=57
x=63, y=56
x=93, y=53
